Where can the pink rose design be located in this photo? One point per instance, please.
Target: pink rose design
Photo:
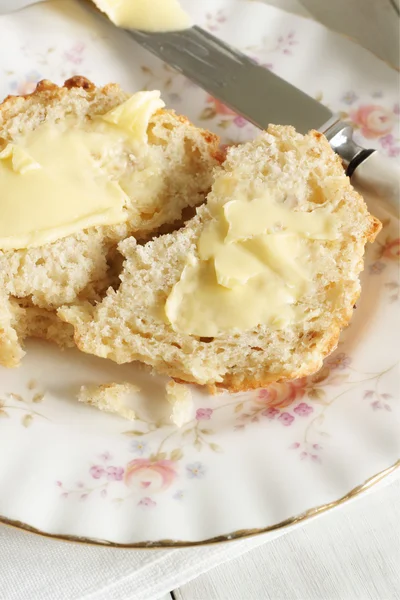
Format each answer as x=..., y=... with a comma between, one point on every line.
x=270, y=413
x=373, y=120
x=240, y=121
x=387, y=141
x=303, y=409
x=376, y=405
x=281, y=395
x=339, y=361
x=264, y=394
x=204, y=414
x=377, y=267
x=106, y=456
x=219, y=107
x=154, y=476
x=74, y=54
x=394, y=151
x=115, y=473
x=97, y=471
x=391, y=249
x=315, y=458
x=147, y=502
x=286, y=419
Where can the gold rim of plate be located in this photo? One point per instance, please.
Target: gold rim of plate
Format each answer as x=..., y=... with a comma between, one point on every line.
x=228, y=537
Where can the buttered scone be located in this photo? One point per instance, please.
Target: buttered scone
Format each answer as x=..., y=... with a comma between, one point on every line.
x=256, y=287
x=82, y=168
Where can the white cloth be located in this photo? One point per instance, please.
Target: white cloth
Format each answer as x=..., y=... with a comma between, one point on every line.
x=36, y=568
x=350, y=554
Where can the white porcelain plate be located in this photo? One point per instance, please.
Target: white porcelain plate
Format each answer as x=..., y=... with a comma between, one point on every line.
x=244, y=462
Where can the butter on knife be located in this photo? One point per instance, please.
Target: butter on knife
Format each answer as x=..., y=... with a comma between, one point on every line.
x=146, y=15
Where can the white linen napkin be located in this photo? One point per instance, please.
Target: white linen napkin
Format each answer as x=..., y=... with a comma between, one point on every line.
x=42, y=569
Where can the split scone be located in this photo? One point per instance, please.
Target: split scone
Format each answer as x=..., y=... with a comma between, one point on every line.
x=256, y=287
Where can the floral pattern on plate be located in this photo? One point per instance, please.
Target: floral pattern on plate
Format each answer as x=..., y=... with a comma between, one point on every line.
x=245, y=461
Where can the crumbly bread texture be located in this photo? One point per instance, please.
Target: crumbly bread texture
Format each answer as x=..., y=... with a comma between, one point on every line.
x=174, y=175
x=129, y=324
x=109, y=397
x=180, y=398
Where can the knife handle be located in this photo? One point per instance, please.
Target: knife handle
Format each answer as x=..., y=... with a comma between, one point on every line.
x=370, y=172
x=373, y=173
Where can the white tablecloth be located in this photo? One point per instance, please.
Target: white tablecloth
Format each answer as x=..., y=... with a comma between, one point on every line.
x=37, y=568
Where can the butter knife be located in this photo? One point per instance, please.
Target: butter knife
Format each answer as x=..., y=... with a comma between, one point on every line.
x=262, y=97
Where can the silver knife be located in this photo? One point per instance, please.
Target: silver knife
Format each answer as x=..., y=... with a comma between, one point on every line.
x=262, y=98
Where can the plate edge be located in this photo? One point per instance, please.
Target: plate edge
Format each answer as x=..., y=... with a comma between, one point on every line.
x=229, y=537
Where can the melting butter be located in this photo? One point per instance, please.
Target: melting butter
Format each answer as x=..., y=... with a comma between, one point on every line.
x=63, y=178
x=264, y=215
x=255, y=263
x=147, y=15
x=134, y=114
x=21, y=161
x=199, y=306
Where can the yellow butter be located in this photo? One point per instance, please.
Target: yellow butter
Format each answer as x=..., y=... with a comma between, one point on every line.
x=147, y=15
x=67, y=193
x=134, y=114
x=199, y=306
x=21, y=161
x=264, y=215
x=255, y=264
x=63, y=178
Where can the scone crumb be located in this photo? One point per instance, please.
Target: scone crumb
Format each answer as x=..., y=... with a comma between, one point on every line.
x=32, y=384
x=180, y=398
x=109, y=397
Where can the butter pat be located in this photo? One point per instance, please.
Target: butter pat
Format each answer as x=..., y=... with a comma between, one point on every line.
x=264, y=215
x=134, y=114
x=68, y=191
x=255, y=263
x=21, y=161
x=147, y=15
x=198, y=305
x=63, y=178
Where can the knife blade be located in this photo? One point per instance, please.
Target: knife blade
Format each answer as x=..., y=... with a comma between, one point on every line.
x=262, y=98
x=236, y=80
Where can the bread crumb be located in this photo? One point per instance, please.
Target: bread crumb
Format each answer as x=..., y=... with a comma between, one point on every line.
x=109, y=397
x=32, y=384
x=180, y=398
